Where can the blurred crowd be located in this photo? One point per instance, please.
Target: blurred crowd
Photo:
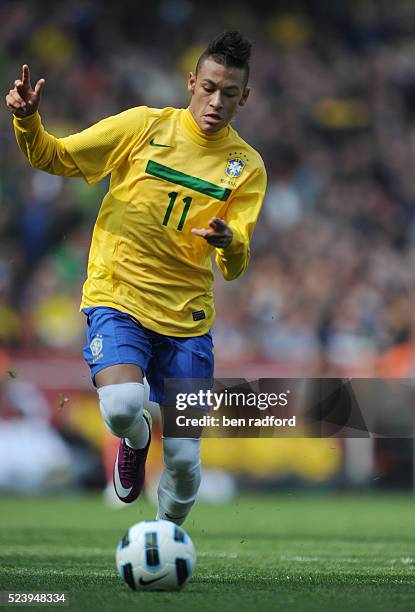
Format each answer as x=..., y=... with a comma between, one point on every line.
x=330, y=288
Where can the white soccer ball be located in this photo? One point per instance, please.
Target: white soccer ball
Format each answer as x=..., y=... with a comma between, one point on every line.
x=156, y=556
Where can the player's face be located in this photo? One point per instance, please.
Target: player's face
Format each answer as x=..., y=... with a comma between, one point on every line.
x=216, y=92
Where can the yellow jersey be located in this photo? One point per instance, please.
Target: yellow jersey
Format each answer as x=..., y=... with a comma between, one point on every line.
x=167, y=177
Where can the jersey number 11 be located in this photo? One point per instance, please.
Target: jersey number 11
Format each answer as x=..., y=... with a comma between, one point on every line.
x=187, y=201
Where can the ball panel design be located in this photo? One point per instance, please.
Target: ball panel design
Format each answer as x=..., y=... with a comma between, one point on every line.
x=152, y=555
x=182, y=571
x=127, y=574
x=155, y=555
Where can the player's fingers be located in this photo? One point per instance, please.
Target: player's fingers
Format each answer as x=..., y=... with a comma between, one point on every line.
x=201, y=232
x=20, y=88
x=39, y=86
x=26, y=75
x=15, y=94
x=218, y=223
x=12, y=104
x=215, y=239
x=9, y=101
x=16, y=99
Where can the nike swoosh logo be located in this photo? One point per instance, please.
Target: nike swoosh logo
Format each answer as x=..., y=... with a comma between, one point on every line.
x=144, y=582
x=157, y=144
x=122, y=491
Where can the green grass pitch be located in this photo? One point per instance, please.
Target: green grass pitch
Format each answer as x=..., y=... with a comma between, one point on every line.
x=276, y=552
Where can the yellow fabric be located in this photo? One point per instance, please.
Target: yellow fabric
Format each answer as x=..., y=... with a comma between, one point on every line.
x=311, y=459
x=144, y=260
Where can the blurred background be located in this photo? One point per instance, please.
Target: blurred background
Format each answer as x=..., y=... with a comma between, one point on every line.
x=330, y=289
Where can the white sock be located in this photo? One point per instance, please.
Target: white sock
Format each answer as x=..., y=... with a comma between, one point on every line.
x=180, y=480
x=139, y=435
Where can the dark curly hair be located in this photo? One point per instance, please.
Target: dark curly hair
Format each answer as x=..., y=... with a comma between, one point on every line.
x=229, y=49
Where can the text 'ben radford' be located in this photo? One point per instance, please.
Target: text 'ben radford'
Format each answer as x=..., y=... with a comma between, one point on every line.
x=224, y=421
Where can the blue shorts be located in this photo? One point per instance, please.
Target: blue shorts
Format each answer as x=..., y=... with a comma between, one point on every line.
x=115, y=337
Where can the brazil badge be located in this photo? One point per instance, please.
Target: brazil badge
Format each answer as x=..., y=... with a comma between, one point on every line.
x=234, y=167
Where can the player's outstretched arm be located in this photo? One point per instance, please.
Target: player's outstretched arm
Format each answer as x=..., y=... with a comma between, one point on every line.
x=91, y=154
x=23, y=100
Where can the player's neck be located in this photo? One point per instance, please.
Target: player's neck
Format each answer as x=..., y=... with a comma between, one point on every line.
x=195, y=132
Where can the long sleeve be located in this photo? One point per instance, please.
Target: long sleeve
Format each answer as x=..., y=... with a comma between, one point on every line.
x=241, y=216
x=44, y=151
x=92, y=153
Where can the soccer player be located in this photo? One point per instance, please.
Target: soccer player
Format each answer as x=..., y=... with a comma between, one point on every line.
x=184, y=185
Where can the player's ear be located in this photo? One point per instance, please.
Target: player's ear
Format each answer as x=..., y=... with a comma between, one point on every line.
x=191, y=82
x=244, y=97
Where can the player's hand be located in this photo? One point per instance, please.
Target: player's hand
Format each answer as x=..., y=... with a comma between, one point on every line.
x=219, y=234
x=22, y=99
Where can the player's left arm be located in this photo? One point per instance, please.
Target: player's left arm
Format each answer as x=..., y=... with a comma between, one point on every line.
x=231, y=236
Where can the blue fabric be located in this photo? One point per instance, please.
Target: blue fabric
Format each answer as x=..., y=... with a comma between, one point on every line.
x=114, y=337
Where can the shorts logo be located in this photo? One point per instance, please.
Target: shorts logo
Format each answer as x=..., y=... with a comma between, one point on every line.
x=96, y=347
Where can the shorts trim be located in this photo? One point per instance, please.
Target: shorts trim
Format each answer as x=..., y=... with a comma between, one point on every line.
x=98, y=369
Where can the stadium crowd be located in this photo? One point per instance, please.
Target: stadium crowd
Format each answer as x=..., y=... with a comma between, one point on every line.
x=330, y=285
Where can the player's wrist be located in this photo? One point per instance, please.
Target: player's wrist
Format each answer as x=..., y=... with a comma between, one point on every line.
x=228, y=242
x=28, y=121
x=24, y=114
x=235, y=245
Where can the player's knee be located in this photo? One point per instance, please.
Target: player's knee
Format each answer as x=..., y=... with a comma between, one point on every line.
x=184, y=464
x=181, y=455
x=121, y=405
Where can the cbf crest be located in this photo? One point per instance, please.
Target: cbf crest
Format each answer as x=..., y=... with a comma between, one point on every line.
x=235, y=165
x=96, y=347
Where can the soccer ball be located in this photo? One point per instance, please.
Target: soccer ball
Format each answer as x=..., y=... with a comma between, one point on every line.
x=156, y=556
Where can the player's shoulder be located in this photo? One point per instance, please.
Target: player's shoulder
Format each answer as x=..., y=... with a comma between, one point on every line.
x=256, y=162
x=160, y=114
x=138, y=118
x=148, y=116
x=134, y=112
x=167, y=112
x=131, y=120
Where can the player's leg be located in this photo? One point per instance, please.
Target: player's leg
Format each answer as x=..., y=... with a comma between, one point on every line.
x=117, y=352
x=180, y=479
x=184, y=358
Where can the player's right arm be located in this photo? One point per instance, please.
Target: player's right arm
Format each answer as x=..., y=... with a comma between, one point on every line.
x=43, y=150
x=92, y=153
